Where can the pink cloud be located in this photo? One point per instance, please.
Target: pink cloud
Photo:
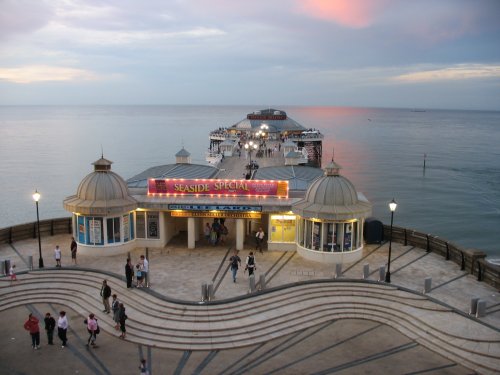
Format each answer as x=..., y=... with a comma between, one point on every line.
x=351, y=13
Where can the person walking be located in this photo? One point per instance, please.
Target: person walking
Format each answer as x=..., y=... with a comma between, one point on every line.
x=12, y=274
x=57, y=256
x=234, y=261
x=73, y=247
x=207, y=232
x=139, y=276
x=129, y=272
x=92, y=330
x=250, y=264
x=62, y=328
x=50, y=325
x=123, y=318
x=31, y=325
x=105, y=294
x=259, y=237
x=145, y=270
x=143, y=367
x=115, y=307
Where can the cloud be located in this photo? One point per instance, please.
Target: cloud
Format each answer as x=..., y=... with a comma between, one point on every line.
x=453, y=73
x=22, y=16
x=45, y=73
x=352, y=13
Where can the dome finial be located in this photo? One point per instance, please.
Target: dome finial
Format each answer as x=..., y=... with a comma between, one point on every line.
x=332, y=169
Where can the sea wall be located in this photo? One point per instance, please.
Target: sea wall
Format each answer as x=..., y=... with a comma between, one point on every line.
x=470, y=260
x=29, y=230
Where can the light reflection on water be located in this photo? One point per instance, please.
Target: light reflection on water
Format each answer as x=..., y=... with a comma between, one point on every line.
x=381, y=152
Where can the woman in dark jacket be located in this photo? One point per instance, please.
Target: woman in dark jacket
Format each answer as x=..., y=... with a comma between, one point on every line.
x=129, y=272
x=123, y=317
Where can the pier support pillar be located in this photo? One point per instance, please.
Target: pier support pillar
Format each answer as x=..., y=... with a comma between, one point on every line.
x=191, y=227
x=240, y=233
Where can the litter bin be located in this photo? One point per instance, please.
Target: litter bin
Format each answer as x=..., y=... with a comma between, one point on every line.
x=6, y=263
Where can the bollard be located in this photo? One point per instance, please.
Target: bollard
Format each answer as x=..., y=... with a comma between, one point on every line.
x=427, y=284
x=366, y=271
x=6, y=266
x=210, y=291
x=473, y=306
x=481, y=308
x=262, y=281
x=147, y=278
x=204, y=295
x=338, y=270
x=251, y=283
x=381, y=273
x=30, y=262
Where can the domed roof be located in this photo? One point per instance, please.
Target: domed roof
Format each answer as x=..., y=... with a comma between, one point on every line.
x=101, y=192
x=332, y=197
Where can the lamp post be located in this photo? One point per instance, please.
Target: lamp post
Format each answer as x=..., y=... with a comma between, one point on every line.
x=250, y=146
x=392, y=207
x=36, y=198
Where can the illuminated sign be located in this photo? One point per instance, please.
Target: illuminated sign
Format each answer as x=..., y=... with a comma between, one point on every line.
x=213, y=207
x=247, y=188
x=231, y=215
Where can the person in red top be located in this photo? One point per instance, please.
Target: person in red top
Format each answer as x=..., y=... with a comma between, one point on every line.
x=31, y=325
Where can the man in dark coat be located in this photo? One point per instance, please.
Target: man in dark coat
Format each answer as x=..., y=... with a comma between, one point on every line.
x=50, y=325
x=105, y=294
x=129, y=272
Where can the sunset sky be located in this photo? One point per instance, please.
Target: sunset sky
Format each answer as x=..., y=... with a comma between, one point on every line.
x=378, y=53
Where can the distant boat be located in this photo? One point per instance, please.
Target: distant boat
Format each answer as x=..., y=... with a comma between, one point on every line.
x=418, y=110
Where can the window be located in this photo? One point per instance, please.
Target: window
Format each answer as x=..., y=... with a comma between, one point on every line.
x=140, y=224
x=282, y=228
x=126, y=227
x=113, y=229
x=153, y=221
x=94, y=231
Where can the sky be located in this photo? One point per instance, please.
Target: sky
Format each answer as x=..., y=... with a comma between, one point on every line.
x=368, y=53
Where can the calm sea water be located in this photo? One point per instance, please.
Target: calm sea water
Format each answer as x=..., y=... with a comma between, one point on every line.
x=456, y=197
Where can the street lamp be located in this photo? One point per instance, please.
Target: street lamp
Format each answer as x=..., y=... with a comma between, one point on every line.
x=36, y=198
x=392, y=207
x=250, y=146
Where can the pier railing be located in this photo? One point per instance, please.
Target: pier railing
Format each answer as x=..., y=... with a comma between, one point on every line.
x=470, y=260
x=26, y=231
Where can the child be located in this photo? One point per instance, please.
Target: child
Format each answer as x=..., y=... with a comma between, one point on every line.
x=12, y=273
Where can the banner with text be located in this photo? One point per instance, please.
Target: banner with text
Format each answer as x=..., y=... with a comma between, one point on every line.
x=218, y=187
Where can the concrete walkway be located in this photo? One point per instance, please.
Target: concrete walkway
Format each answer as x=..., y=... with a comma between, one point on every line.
x=348, y=327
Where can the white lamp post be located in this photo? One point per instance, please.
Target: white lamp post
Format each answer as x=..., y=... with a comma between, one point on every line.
x=36, y=198
x=392, y=206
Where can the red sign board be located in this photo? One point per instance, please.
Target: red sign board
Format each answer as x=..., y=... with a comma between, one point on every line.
x=218, y=187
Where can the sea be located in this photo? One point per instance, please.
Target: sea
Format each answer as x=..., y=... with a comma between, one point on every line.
x=442, y=167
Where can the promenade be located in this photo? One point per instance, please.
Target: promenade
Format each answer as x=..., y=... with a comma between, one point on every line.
x=342, y=326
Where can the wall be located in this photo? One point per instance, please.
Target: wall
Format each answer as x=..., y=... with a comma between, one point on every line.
x=471, y=260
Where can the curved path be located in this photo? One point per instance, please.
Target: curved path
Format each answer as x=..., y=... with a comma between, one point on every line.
x=166, y=323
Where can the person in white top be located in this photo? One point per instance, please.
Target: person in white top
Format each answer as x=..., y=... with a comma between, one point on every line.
x=62, y=327
x=12, y=273
x=145, y=270
x=57, y=256
x=259, y=237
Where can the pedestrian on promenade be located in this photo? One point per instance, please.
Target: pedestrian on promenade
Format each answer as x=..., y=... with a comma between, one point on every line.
x=145, y=270
x=223, y=233
x=105, y=294
x=57, y=256
x=12, y=274
x=115, y=307
x=123, y=317
x=31, y=325
x=234, y=261
x=129, y=272
x=92, y=330
x=50, y=325
x=143, y=367
x=207, y=232
x=139, y=276
x=250, y=264
x=259, y=237
x=73, y=249
x=62, y=328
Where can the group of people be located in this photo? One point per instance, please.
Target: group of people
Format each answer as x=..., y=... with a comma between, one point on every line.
x=32, y=326
x=235, y=263
x=58, y=253
x=140, y=271
x=216, y=233
x=119, y=315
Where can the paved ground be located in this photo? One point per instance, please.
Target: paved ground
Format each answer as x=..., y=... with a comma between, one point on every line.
x=345, y=346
